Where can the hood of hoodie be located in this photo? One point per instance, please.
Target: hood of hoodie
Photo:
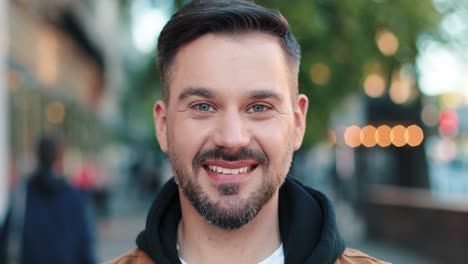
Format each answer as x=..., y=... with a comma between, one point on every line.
x=46, y=183
x=307, y=226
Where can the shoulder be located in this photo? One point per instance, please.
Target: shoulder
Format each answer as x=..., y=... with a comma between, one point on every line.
x=353, y=256
x=71, y=192
x=135, y=256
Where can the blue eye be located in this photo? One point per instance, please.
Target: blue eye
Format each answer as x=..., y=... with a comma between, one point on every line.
x=258, y=108
x=204, y=107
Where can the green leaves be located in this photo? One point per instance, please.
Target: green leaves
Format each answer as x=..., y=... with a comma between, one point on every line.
x=341, y=36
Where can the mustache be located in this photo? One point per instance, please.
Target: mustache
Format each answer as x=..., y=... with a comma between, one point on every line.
x=223, y=154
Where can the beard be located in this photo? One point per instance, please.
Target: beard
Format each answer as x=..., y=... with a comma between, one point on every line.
x=230, y=211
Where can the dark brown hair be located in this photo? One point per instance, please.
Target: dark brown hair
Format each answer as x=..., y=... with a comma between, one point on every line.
x=48, y=150
x=228, y=17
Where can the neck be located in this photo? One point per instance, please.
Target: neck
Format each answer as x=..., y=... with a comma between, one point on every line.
x=202, y=242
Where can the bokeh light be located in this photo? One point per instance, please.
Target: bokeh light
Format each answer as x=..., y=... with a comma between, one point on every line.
x=55, y=113
x=451, y=100
x=446, y=150
x=367, y=136
x=320, y=73
x=387, y=43
x=374, y=85
x=448, y=120
x=397, y=135
x=400, y=91
x=382, y=136
x=414, y=135
x=352, y=136
x=430, y=115
x=441, y=69
x=148, y=23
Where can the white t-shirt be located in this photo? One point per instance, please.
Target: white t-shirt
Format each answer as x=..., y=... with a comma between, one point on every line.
x=276, y=258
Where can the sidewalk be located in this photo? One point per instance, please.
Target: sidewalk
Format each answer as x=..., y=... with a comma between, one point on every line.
x=352, y=229
x=119, y=235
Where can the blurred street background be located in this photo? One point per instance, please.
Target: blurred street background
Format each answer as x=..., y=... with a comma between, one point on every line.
x=387, y=134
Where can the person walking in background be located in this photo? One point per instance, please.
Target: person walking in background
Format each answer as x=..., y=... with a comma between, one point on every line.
x=52, y=224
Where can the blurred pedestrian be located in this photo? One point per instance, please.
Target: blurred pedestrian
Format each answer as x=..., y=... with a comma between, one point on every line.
x=230, y=122
x=48, y=221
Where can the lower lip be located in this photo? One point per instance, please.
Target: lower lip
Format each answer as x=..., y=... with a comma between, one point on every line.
x=228, y=178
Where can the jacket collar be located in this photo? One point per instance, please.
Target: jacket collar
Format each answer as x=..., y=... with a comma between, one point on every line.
x=307, y=226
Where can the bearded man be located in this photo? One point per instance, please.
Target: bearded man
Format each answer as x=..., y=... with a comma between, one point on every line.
x=230, y=121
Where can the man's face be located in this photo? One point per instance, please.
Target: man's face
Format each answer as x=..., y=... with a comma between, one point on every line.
x=231, y=125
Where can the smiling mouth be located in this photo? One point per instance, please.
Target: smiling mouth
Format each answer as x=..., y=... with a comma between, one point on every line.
x=230, y=171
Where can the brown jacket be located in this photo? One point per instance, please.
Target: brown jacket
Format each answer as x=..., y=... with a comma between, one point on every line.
x=350, y=256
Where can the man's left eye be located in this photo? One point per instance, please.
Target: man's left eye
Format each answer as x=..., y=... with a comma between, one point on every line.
x=258, y=108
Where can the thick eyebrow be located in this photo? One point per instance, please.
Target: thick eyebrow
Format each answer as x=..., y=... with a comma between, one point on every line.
x=195, y=91
x=206, y=93
x=265, y=94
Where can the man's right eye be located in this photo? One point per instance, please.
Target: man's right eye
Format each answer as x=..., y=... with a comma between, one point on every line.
x=203, y=107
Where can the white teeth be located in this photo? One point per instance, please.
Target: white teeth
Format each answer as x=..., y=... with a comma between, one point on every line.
x=228, y=171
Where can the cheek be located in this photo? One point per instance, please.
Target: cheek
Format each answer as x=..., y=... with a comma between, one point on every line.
x=187, y=137
x=275, y=138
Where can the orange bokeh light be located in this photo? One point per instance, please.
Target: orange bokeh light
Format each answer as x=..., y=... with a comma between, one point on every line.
x=320, y=73
x=382, y=136
x=387, y=42
x=367, y=136
x=374, y=85
x=397, y=135
x=414, y=135
x=352, y=136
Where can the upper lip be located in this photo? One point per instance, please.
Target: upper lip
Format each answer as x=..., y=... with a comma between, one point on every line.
x=230, y=164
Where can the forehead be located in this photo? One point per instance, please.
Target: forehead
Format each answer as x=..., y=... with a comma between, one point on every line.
x=231, y=63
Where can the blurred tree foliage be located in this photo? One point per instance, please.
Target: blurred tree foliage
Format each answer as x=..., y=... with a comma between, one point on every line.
x=341, y=37
x=338, y=39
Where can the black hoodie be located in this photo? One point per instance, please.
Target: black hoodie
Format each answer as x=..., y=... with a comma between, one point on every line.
x=307, y=226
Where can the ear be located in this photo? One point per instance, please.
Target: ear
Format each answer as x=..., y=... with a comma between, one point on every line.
x=300, y=114
x=160, y=123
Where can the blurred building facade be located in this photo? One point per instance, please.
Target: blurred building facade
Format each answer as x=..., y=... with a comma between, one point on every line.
x=3, y=107
x=64, y=74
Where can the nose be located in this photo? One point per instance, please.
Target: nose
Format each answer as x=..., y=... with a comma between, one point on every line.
x=231, y=132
